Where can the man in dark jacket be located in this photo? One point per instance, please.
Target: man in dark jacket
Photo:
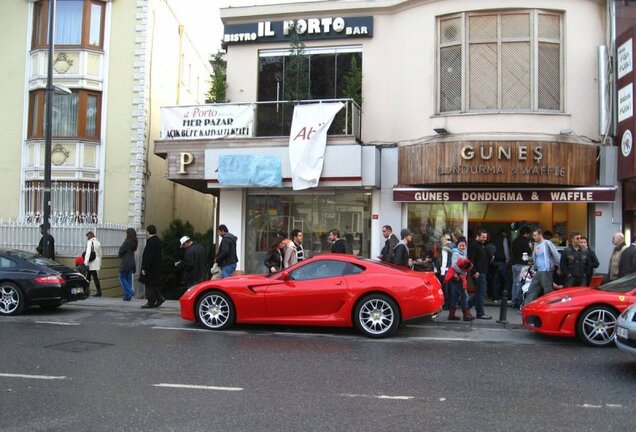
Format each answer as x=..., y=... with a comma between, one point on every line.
x=627, y=263
x=151, y=269
x=50, y=250
x=501, y=264
x=194, y=265
x=391, y=242
x=481, y=261
x=337, y=244
x=226, y=257
x=573, y=262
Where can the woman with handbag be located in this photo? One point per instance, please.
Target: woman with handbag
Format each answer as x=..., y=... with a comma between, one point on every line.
x=274, y=259
x=127, y=265
x=93, y=259
x=457, y=281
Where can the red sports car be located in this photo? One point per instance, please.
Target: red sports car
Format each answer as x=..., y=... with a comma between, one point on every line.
x=588, y=313
x=326, y=290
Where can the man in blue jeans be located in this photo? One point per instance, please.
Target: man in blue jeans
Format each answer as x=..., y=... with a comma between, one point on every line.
x=226, y=257
x=478, y=255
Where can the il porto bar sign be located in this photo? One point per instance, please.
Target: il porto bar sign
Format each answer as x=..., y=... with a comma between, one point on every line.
x=582, y=195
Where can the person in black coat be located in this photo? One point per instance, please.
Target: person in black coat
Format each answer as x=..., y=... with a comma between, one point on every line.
x=50, y=254
x=194, y=265
x=338, y=245
x=627, y=263
x=274, y=260
x=151, y=269
x=402, y=256
x=480, y=258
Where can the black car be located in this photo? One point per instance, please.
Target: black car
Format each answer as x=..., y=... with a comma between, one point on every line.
x=27, y=279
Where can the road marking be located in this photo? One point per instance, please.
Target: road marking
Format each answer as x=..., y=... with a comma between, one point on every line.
x=352, y=395
x=439, y=338
x=42, y=377
x=57, y=323
x=198, y=387
x=236, y=332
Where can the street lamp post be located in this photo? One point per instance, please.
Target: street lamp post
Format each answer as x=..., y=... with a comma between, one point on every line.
x=48, y=134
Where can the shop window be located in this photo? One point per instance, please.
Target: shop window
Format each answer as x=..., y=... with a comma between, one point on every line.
x=500, y=62
x=77, y=23
x=74, y=116
x=314, y=214
x=310, y=73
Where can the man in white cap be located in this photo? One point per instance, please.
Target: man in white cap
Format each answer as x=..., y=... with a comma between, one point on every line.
x=194, y=264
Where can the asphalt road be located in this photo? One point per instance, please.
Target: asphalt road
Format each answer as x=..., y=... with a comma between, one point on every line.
x=80, y=369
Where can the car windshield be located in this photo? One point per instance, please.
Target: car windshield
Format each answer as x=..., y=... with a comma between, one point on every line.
x=32, y=258
x=620, y=285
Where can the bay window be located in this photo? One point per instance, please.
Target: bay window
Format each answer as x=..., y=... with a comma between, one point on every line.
x=74, y=116
x=77, y=23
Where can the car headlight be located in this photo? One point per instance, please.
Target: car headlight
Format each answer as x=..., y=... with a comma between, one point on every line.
x=561, y=300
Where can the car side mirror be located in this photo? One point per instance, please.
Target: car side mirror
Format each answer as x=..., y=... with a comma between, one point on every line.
x=284, y=275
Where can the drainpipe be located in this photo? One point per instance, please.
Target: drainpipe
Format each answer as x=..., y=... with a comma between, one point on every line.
x=178, y=100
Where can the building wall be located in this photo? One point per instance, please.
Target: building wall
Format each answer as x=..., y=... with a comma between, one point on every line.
x=13, y=104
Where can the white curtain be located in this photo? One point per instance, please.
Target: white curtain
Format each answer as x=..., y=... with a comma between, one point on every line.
x=68, y=22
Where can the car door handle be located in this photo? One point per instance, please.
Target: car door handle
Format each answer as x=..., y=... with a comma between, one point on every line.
x=339, y=282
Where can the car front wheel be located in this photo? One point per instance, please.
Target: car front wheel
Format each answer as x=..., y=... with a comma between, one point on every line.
x=596, y=326
x=215, y=310
x=11, y=299
x=377, y=316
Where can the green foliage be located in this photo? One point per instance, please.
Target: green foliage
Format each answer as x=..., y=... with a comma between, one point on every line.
x=218, y=84
x=353, y=82
x=296, y=71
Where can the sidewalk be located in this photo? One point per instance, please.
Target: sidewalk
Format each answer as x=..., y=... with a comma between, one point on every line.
x=171, y=307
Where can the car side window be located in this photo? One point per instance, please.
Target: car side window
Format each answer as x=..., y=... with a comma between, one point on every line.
x=319, y=270
x=6, y=263
x=352, y=269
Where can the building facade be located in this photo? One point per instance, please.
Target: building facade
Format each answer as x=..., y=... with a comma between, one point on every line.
x=473, y=114
x=121, y=60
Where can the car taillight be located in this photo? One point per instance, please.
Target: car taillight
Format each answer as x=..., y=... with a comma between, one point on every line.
x=50, y=280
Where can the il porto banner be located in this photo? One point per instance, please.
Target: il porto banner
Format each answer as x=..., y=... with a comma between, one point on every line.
x=308, y=141
x=207, y=122
x=570, y=195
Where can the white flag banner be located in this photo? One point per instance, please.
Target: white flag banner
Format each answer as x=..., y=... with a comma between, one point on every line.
x=308, y=141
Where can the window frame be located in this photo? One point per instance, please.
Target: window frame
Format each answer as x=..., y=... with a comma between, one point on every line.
x=36, y=112
x=39, y=38
x=534, y=41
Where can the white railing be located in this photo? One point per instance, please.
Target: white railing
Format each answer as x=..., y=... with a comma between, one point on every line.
x=70, y=238
x=71, y=202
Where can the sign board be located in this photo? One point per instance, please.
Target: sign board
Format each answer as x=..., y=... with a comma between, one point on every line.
x=625, y=97
x=207, y=122
x=502, y=195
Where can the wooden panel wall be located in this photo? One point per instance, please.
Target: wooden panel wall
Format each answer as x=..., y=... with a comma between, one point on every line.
x=498, y=162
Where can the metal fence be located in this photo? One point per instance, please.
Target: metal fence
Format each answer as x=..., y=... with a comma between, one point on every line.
x=70, y=239
x=71, y=202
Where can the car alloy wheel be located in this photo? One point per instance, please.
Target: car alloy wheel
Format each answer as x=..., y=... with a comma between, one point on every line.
x=11, y=299
x=215, y=310
x=596, y=326
x=377, y=316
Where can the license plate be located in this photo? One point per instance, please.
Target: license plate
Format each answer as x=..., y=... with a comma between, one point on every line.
x=77, y=290
x=622, y=332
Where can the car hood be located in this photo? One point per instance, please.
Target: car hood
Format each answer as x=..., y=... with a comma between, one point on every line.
x=574, y=293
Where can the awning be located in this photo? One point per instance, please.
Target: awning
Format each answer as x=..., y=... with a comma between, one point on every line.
x=505, y=194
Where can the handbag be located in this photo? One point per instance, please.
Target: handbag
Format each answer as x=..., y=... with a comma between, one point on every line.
x=92, y=256
x=143, y=278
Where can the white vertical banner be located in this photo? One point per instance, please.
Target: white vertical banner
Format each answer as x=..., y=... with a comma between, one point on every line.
x=308, y=141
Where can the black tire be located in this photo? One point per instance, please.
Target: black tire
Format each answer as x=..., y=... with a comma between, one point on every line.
x=215, y=310
x=596, y=326
x=376, y=316
x=50, y=307
x=12, y=300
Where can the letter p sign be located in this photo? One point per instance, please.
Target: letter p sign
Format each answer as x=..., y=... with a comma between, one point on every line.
x=185, y=158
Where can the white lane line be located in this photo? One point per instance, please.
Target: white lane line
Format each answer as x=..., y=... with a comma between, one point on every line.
x=353, y=395
x=239, y=332
x=198, y=387
x=57, y=323
x=439, y=338
x=42, y=377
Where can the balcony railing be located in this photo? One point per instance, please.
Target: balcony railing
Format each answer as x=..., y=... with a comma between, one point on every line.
x=274, y=118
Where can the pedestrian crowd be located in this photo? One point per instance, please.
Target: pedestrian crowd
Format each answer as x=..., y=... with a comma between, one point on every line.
x=518, y=271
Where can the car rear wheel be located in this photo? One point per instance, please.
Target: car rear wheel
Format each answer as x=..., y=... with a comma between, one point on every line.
x=596, y=326
x=215, y=310
x=11, y=299
x=377, y=316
